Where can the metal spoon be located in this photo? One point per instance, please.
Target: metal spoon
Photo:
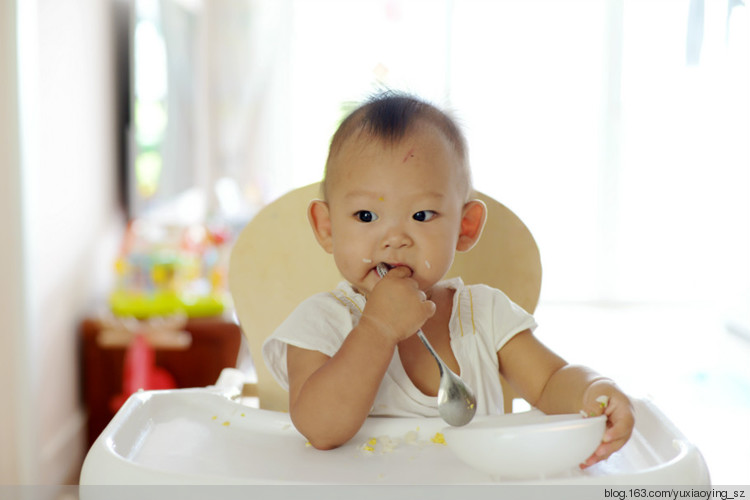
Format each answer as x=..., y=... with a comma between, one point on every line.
x=456, y=401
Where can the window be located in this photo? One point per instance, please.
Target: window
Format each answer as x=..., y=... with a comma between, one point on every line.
x=618, y=131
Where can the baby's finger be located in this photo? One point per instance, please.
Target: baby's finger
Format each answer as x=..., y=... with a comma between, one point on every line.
x=429, y=307
x=602, y=452
x=596, y=407
x=620, y=422
x=400, y=272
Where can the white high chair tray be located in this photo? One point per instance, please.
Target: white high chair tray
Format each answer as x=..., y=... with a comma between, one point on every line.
x=196, y=436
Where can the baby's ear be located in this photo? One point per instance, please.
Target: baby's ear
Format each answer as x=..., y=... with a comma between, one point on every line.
x=320, y=220
x=472, y=223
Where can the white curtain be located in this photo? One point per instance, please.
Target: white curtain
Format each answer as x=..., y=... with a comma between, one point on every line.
x=625, y=154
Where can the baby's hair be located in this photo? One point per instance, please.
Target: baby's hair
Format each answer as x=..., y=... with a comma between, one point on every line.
x=388, y=116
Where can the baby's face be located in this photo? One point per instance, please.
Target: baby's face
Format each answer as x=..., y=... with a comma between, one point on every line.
x=400, y=204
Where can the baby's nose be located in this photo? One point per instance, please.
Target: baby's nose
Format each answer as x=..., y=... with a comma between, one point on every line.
x=396, y=237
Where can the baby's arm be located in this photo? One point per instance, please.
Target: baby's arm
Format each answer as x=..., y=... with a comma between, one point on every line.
x=547, y=382
x=330, y=397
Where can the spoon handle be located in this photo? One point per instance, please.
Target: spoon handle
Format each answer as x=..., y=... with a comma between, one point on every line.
x=435, y=355
x=382, y=270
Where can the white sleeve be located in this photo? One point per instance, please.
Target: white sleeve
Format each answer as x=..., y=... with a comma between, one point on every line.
x=320, y=323
x=509, y=319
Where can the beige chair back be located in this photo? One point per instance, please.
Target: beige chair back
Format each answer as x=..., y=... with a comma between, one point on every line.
x=276, y=263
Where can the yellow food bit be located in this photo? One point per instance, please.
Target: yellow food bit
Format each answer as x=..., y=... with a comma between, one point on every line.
x=214, y=417
x=225, y=424
x=308, y=443
x=369, y=445
x=242, y=414
x=603, y=401
x=438, y=438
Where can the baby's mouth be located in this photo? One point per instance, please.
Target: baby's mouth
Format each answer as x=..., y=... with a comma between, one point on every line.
x=383, y=267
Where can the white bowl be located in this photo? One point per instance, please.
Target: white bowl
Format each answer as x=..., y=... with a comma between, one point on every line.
x=526, y=445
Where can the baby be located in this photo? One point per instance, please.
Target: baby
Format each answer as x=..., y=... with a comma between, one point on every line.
x=397, y=189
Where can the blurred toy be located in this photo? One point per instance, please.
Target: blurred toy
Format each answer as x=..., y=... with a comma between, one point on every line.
x=166, y=270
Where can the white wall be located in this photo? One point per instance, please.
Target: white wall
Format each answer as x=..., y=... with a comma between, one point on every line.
x=11, y=251
x=59, y=171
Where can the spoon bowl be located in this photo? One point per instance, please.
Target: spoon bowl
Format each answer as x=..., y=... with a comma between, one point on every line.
x=456, y=402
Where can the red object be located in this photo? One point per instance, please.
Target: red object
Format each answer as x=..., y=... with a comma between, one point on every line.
x=215, y=345
x=140, y=372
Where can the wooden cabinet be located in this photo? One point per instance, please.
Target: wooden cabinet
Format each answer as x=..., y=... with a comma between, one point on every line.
x=214, y=345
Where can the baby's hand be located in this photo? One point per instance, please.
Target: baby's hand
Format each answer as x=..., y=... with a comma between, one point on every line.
x=604, y=397
x=397, y=304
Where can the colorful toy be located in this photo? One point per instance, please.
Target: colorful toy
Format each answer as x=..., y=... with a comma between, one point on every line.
x=165, y=270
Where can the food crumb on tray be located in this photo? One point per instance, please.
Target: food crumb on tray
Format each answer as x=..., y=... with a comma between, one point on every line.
x=438, y=438
x=388, y=444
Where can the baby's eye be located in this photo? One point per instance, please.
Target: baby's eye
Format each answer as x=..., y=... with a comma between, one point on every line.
x=365, y=216
x=424, y=215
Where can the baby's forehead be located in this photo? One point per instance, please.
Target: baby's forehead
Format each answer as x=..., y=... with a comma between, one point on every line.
x=361, y=150
x=421, y=133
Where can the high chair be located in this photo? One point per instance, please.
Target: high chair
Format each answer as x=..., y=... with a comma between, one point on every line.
x=208, y=436
x=276, y=263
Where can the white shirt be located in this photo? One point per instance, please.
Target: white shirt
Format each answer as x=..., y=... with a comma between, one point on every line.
x=482, y=321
